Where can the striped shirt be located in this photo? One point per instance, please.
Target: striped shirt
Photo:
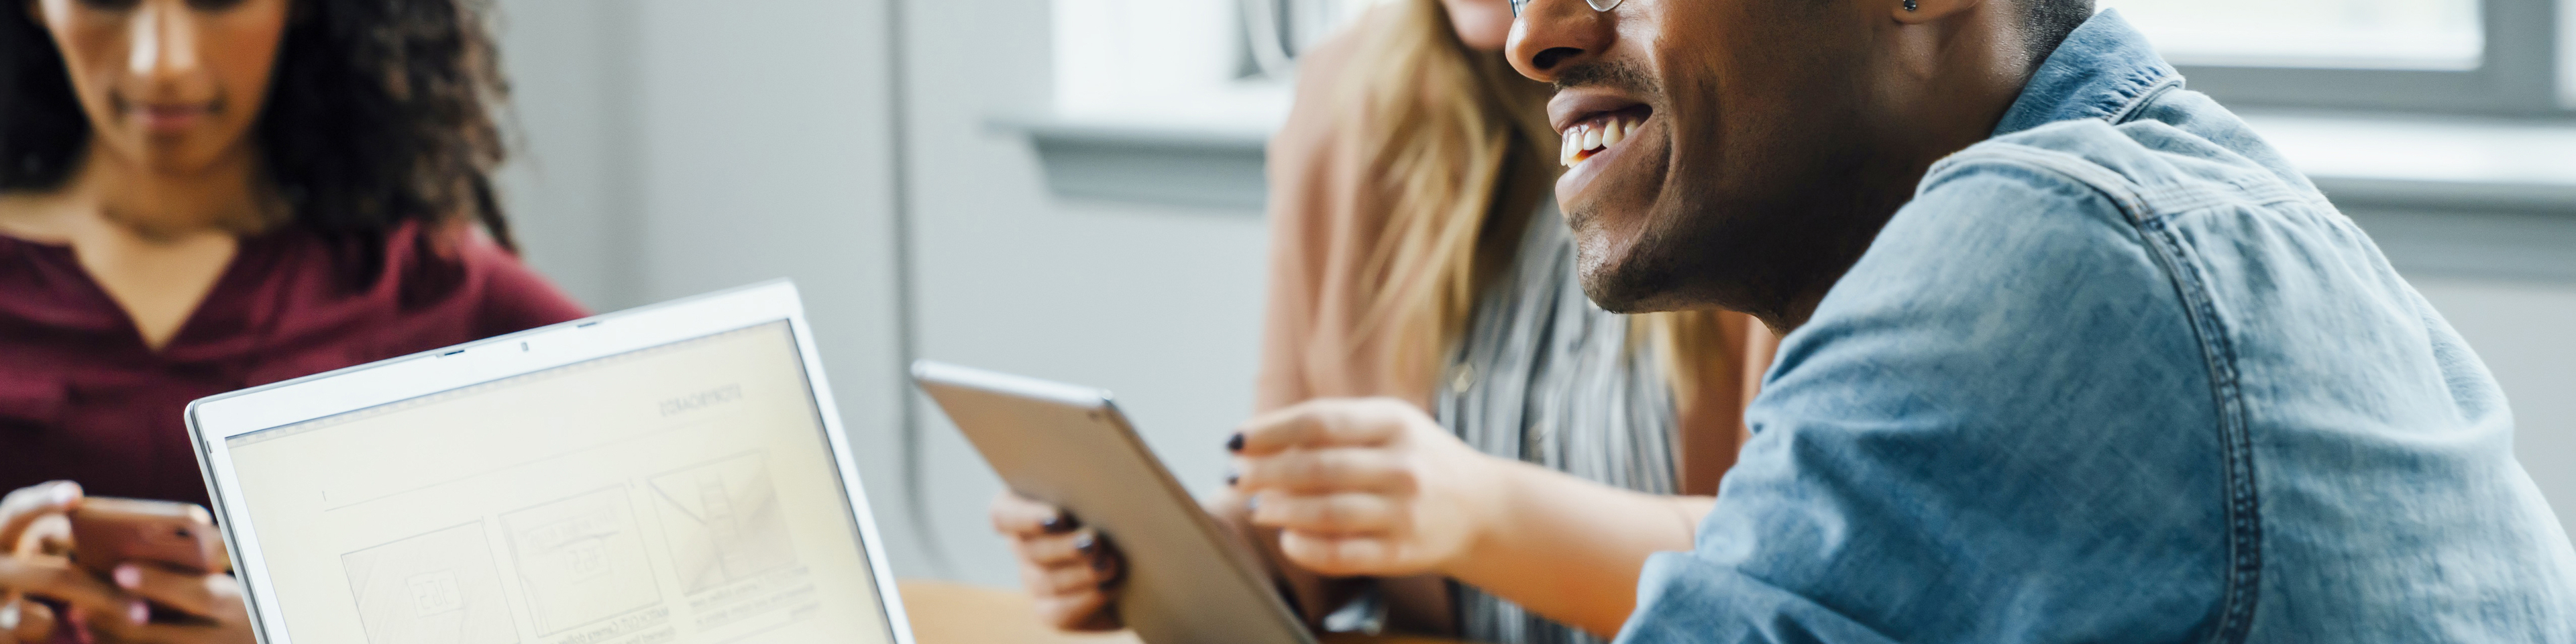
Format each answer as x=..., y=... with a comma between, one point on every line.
x=1546, y=377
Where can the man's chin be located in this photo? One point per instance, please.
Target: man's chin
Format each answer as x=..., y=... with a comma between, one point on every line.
x=1612, y=256
x=1623, y=285
x=1656, y=268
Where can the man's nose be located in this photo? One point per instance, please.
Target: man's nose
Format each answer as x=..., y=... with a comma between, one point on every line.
x=164, y=41
x=1554, y=34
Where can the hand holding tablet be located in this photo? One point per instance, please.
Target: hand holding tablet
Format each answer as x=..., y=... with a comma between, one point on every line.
x=1185, y=580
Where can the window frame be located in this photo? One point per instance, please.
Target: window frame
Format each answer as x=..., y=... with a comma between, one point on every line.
x=2518, y=74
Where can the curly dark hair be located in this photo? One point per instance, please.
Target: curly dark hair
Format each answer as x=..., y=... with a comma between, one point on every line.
x=380, y=112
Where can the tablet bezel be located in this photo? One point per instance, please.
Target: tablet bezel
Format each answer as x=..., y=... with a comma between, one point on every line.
x=1101, y=420
x=214, y=419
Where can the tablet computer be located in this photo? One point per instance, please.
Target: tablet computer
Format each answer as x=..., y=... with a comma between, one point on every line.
x=668, y=475
x=1188, y=581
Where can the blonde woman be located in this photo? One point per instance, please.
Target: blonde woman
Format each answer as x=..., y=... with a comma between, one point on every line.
x=1418, y=257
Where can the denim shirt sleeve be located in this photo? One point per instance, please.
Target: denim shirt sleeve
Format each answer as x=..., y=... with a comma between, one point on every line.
x=1972, y=440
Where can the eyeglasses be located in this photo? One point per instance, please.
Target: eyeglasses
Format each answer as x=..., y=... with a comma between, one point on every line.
x=1597, y=5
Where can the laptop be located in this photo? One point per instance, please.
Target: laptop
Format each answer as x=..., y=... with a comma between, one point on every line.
x=674, y=474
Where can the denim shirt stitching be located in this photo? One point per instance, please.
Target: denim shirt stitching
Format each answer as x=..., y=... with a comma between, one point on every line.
x=2138, y=205
x=2172, y=200
x=2138, y=105
x=2245, y=524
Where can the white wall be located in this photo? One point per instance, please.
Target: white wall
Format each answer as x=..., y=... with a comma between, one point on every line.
x=569, y=182
x=674, y=147
x=1159, y=305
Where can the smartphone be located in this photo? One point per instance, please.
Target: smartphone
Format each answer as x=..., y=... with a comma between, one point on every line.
x=110, y=532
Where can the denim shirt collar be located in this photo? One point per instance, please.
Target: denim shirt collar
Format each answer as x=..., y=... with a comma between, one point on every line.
x=2105, y=69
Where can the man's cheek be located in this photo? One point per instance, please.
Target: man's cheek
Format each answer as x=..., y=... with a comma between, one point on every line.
x=1645, y=167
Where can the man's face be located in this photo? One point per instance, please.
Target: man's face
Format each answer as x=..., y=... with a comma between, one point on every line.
x=1741, y=137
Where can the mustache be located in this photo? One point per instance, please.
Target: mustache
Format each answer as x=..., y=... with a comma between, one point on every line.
x=1616, y=75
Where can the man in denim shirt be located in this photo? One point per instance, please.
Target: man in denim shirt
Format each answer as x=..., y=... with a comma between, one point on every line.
x=2076, y=357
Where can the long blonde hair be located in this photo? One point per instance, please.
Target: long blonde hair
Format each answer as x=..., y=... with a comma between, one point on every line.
x=1460, y=143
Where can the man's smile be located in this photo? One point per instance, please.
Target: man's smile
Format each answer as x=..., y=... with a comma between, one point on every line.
x=1598, y=126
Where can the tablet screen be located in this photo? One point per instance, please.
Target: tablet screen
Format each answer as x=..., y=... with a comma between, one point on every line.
x=684, y=493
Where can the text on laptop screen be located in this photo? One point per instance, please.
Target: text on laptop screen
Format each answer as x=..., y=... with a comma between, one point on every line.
x=684, y=493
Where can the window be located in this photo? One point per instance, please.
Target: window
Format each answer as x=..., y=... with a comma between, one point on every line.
x=1278, y=30
x=1223, y=63
x=2498, y=57
x=1189, y=61
x=2369, y=34
x=1159, y=63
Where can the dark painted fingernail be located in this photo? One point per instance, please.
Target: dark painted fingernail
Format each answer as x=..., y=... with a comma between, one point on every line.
x=1061, y=522
x=1086, y=542
x=1232, y=475
x=1102, y=564
x=1234, y=443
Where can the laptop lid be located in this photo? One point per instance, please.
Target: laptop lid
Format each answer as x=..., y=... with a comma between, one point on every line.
x=675, y=474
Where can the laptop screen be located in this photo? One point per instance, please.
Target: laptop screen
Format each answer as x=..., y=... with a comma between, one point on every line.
x=684, y=493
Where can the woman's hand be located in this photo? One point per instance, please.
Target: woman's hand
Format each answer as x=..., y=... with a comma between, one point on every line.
x=35, y=540
x=1368, y=487
x=207, y=609
x=1068, y=568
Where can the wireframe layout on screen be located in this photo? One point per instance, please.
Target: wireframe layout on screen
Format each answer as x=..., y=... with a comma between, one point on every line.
x=681, y=493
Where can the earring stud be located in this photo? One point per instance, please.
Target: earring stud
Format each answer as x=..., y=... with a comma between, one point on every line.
x=1910, y=5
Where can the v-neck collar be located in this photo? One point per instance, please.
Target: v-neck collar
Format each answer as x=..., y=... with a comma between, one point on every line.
x=222, y=299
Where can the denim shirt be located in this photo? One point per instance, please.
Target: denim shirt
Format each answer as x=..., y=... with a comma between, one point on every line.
x=2119, y=374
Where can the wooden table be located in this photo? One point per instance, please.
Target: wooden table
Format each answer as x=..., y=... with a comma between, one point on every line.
x=952, y=613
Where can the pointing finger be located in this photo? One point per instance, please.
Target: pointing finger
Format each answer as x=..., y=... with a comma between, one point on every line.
x=1335, y=514
x=1326, y=422
x=1315, y=471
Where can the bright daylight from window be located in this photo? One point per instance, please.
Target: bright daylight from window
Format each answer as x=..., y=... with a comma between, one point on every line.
x=1183, y=62
x=2391, y=34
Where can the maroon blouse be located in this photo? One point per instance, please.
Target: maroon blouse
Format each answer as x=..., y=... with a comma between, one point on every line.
x=82, y=398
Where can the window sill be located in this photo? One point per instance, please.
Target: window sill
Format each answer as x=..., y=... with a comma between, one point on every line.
x=2467, y=197
x=1198, y=165
x=2485, y=197
x=2454, y=164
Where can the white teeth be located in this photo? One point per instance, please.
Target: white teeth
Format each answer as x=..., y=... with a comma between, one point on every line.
x=1582, y=139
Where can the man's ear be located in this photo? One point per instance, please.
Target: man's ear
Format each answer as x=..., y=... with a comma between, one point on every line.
x=1915, y=12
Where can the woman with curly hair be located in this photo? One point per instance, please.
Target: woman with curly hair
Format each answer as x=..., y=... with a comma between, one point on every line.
x=198, y=196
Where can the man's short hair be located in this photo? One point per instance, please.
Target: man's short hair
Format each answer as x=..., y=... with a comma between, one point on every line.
x=2049, y=21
